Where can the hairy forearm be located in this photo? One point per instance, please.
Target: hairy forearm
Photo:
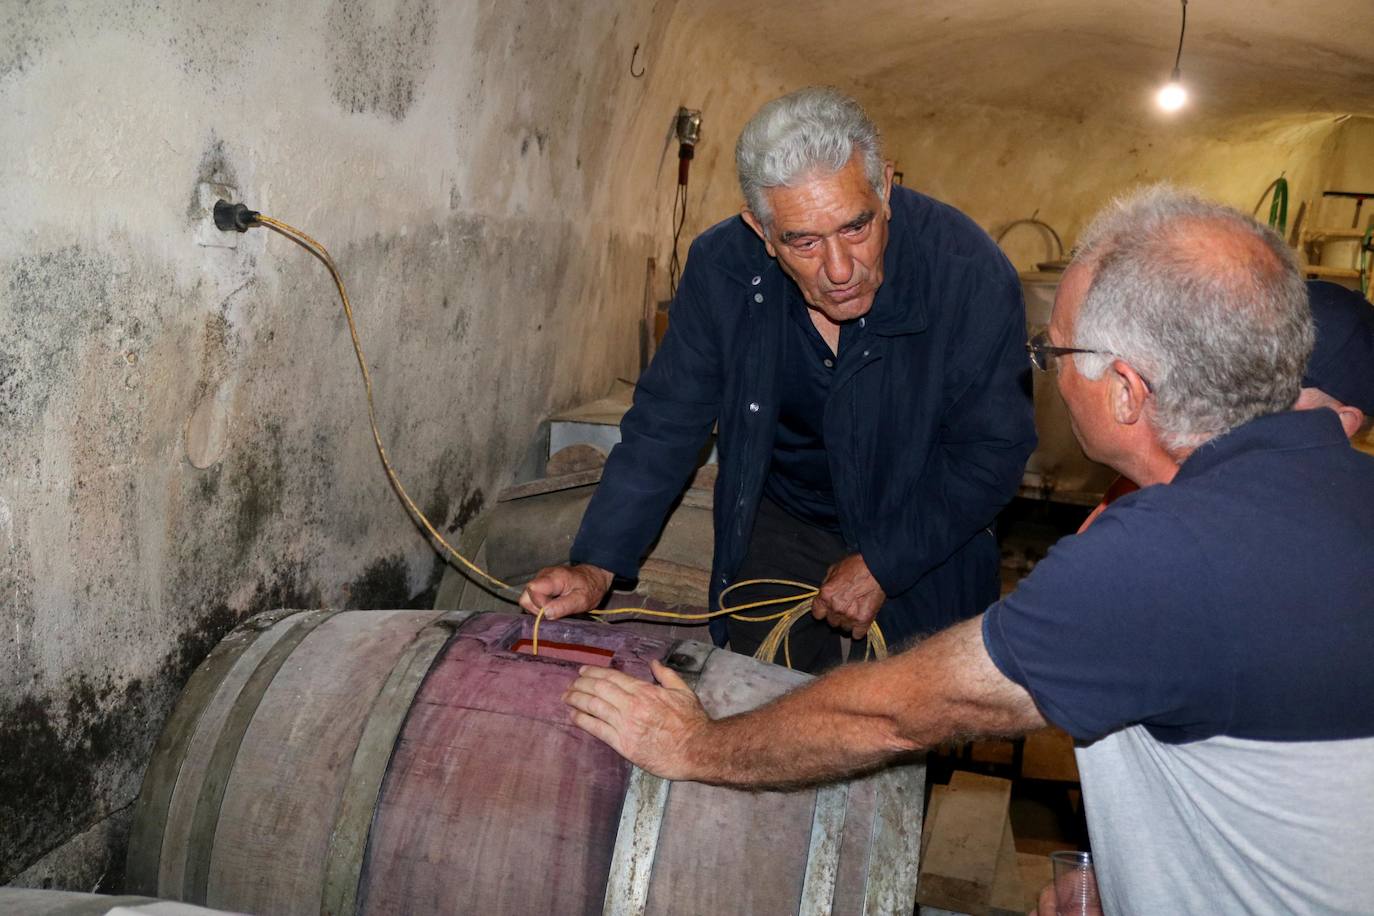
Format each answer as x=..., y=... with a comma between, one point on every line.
x=862, y=716
x=851, y=720
x=831, y=728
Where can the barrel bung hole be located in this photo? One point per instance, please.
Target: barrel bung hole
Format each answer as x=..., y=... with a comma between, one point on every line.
x=566, y=651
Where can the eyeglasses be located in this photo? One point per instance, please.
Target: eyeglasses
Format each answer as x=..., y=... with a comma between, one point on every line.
x=1043, y=354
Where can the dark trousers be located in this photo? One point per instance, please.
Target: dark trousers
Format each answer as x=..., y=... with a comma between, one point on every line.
x=784, y=547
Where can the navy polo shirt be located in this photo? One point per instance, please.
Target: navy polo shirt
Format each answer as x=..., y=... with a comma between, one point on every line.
x=1236, y=600
x=799, y=475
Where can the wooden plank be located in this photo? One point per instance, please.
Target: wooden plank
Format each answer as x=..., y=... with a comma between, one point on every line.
x=23, y=901
x=1009, y=894
x=575, y=458
x=1036, y=872
x=823, y=858
x=1008, y=897
x=494, y=802
x=994, y=751
x=160, y=779
x=894, y=858
x=660, y=327
x=181, y=808
x=348, y=839
x=851, y=879
x=200, y=841
x=283, y=793
x=606, y=411
x=960, y=864
x=648, y=308
x=27, y=901
x=1335, y=273
x=549, y=485
x=1039, y=847
x=1316, y=234
x=641, y=814
x=746, y=873
x=937, y=794
x=1048, y=754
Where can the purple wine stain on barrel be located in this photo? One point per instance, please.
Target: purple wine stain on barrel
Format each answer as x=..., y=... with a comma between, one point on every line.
x=492, y=794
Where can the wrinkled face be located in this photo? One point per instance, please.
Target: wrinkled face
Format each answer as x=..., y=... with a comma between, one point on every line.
x=829, y=234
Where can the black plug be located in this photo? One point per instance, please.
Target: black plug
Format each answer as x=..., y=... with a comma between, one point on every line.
x=233, y=216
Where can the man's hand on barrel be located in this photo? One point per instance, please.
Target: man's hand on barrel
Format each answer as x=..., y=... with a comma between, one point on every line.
x=566, y=590
x=849, y=597
x=649, y=725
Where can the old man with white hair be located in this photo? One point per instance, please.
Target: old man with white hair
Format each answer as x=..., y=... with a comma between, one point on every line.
x=1206, y=641
x=857, y=347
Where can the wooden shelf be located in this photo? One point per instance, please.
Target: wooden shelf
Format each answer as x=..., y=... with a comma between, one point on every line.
x=1313, y=235
x=1333, y=273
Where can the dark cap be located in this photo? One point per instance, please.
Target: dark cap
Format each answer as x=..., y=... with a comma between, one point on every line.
x=1342, y=362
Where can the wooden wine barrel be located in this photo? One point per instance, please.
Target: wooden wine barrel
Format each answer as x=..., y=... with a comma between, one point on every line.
x=387, y=762
x=23, y=901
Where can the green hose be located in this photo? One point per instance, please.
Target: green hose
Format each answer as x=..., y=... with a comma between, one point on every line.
x=1278, y=207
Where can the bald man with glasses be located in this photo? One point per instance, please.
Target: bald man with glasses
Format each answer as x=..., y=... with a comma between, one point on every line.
x=1339, y=375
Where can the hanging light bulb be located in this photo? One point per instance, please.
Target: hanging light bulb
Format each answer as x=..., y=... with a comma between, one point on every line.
x=1172, y=96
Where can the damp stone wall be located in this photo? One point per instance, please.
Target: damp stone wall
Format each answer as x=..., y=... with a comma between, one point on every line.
x=184, y=437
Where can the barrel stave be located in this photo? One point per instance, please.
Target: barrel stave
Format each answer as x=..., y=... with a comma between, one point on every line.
x=272, y=834
x=491, y=778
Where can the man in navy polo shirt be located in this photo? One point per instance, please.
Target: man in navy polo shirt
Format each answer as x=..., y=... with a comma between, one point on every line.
x=1206, y=641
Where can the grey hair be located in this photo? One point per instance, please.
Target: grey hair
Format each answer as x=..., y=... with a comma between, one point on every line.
x=793, y=136
x=1200, y=299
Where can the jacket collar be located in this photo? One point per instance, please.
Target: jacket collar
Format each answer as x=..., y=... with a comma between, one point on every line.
x=900, y=308
x=745, y=256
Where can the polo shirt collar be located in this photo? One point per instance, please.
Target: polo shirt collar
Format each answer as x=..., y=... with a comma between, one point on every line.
x=1291, y=429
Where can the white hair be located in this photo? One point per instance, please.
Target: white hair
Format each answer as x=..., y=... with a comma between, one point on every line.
x=817, y=128
x=1201, y=300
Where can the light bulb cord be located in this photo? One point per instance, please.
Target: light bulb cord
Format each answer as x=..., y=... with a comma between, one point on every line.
x=1182, y=29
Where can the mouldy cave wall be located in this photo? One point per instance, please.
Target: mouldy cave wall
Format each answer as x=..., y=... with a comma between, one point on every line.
x=492, y=181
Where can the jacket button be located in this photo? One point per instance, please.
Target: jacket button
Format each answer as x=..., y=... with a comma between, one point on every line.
x=753, y=406
x=861, y=322
x=756, y=281
x=865, y=353
x=758, y=297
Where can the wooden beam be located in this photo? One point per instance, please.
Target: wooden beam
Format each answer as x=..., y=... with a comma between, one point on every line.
x=960, y=863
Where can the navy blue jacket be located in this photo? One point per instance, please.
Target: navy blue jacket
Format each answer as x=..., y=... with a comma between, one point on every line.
x=927, y=428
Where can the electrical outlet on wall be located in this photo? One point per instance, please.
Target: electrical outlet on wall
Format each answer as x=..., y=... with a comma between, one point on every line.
x=206, y=235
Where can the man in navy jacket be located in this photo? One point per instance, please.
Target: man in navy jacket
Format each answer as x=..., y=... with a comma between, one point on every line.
x=859, y=348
